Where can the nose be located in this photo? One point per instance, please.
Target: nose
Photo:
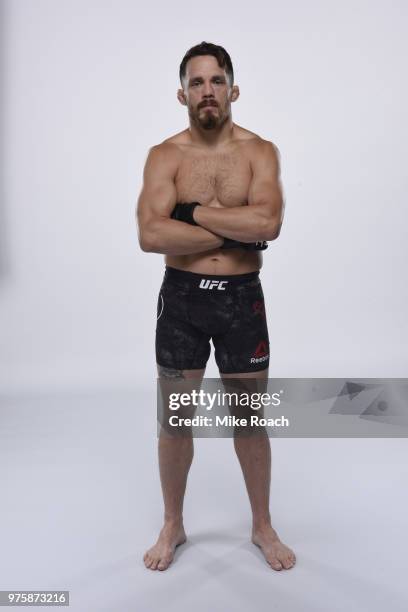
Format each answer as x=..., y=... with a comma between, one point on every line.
x=208, y=91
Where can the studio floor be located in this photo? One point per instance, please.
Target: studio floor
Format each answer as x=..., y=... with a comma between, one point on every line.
x=81, y=502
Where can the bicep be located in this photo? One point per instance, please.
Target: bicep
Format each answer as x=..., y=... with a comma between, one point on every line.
x=158, y=195
x=265, y=188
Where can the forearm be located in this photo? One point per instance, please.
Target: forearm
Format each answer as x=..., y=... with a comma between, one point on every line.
x=170, y=237
x=243, y=223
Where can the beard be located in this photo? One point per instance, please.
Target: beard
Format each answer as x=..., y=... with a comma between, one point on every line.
x=208, y=119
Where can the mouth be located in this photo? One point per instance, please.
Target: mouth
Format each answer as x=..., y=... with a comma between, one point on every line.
x=209, y=106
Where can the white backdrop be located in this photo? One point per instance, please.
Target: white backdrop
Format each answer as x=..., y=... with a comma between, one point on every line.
x=89, y=86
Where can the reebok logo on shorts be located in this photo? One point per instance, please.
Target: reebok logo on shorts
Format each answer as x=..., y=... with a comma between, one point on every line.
x=206, y=283
x=261, y=353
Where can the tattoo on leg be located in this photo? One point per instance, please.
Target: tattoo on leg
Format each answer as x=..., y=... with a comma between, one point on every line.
x=170, y=373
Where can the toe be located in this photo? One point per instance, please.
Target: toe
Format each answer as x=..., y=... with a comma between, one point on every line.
x=164, y=564
x=154, y=564
x=275, y=564
x=291, y=557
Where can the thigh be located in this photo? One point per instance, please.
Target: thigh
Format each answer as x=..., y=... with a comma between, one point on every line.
x=176, y=374
x=244, y=348
x=254, y=385
x=180, y=346
x=259, y=374
x=171, y=382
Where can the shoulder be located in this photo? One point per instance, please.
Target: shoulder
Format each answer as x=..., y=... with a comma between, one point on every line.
x=262, y=147
x=163, y=149
x=178, y=139
x=258, y=146
x=264, y=156
x=170, y=150
x=164, y=155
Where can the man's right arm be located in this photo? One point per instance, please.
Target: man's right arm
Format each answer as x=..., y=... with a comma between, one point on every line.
x=158, y=233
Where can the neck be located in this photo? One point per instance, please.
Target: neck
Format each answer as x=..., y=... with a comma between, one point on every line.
x=212, y=138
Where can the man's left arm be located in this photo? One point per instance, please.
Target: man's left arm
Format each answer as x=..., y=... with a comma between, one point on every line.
x=262, y=218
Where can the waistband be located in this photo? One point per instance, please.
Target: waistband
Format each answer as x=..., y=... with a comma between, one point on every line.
x=208, y=281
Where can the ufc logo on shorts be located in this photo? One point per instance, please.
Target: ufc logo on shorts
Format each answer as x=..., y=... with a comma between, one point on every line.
x=206, y=283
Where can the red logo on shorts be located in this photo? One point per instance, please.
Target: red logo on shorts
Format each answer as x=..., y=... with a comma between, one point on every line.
x=261, y=352
x=259, y=308
x=261, y=349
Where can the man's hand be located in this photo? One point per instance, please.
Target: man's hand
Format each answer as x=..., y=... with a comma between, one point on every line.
x=184, y=212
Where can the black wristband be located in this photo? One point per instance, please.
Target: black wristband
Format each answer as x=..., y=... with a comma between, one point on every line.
x=232, y=244
x=261, y=245
x=184, y=212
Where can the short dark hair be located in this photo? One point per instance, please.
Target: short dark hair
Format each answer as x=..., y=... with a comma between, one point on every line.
x=206, y=48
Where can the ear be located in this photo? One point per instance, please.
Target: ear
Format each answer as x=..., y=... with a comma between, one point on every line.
x=234, y=93
x=181, y=97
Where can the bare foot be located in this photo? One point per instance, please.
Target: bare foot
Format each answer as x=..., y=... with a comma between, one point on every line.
x=162, y=553
x=277, y=554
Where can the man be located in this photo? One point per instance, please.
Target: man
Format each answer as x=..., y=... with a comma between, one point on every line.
x=211, y=197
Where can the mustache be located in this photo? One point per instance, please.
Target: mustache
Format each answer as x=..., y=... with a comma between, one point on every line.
x=207, y=103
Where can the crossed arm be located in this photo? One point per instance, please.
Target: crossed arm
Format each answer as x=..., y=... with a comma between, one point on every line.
x=260, y=220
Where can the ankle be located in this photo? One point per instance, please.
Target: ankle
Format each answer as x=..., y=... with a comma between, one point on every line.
x=173, y=521
x=262, y=523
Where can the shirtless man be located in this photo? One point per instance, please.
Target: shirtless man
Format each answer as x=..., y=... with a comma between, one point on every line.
x=209, y=193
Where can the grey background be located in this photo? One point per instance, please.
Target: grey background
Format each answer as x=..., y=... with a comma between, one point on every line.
x=87, y=88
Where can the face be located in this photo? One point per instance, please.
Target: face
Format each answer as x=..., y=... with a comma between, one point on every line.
x=207, y=93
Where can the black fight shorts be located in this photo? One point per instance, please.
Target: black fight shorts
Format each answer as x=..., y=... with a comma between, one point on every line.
x=193, y=309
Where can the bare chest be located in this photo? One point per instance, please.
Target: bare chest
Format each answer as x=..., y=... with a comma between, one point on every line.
x=218, y=179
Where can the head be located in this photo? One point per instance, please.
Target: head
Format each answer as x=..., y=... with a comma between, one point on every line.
x=207, y=81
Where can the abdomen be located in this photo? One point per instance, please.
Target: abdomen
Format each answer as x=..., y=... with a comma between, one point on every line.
x=217, y=261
